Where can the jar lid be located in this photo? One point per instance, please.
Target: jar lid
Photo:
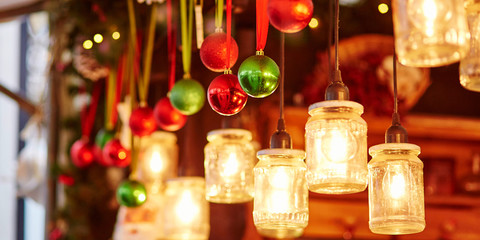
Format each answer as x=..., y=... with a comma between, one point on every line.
x=336, y=103
x=186, y=180
x=394, y=146
x=282, y=151
x=164, y=135
x=229, y=131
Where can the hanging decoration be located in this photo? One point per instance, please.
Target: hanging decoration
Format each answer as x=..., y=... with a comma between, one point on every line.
x=114, y=154
x=258, y=75
x=131, y=193
x=225, y=94
x=336, y=138
x=280, y=206
x=470, y=64
x=290, y=16
x=166, y=116
x=430, y=33
x=142, y=121
x=83, y=151
x=199, y=22
x=396, y=192
x=214, y=53
x=187, y=95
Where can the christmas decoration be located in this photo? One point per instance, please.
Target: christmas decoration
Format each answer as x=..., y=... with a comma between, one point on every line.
x=115, y=154
x=167, y=117
x=187, y=96
x=131, y=193
x=225, y=95
x=142, y=122
x=83, y=153
x=258, y=75
x=213, y=52
x=290, y=16
x=103, y=136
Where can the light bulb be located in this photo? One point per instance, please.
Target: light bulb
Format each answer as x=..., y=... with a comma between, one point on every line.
x=186, y=210
x=397, y=186
x=338, y=145
x=230, y=167
x=280, y=191
x=156, y=162
x=429, y=15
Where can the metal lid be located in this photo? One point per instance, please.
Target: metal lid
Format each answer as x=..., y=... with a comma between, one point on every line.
x=335, y=103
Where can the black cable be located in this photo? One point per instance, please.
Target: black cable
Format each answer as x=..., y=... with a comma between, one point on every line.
x=282, y=73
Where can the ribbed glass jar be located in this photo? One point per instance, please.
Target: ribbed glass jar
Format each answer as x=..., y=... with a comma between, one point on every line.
x=336, y=146
x=396, y=191
x=470, y=64
x=429, y=33
x=186, y=211
x=280, y=206
x=229, y=161
x=157, y=158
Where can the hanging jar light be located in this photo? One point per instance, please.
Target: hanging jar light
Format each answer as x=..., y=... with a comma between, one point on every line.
x=470, y=64
x=396, y=192
x=158, y=158
x=430, y=33
x=336, y=139
x=280, y=206
x=229, y=161
x=186, y=212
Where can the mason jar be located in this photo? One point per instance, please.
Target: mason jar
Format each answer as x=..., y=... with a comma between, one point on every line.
x=336, y=146
x=280, y=206
x=396, y=191
x=186, y=212
x=470, y=64
x=429, y=33
x=229, y=161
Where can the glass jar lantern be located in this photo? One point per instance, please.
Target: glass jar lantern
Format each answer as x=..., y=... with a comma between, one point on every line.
x=229, y=161
x=429, y=33
x=158, y=158
x=280, y=206
x=336, y=146
x=396, y=191
x=186, y=211
x=470, y=64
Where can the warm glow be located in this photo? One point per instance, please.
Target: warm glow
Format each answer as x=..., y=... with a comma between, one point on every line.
x=142, y=197
x=115, y=35
x=156, y=162
x=429, y=9
x=122, y=155
x=87, y=44
x=280, y=191
x=383, y=8
x=98, y=38
x=338, y=145
x=397, y=186
x=301, y=10
x=230, y=167
x=186, y=209
x=313, y=23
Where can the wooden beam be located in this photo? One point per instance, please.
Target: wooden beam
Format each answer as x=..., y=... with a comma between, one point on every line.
x=23, y=103
x=21, y=10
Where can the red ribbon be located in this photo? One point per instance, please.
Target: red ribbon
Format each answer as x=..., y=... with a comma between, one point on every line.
x=171, y=45
x=118, y=90
x=229, y=31
x=262, y=24
x=87, y=116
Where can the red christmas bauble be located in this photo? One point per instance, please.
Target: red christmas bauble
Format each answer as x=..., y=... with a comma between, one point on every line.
x=142, y=122
x=225, y=95
x=213, y=52
x=167, y=117
x=83, y=153
x=290, y=16
x=115, y=154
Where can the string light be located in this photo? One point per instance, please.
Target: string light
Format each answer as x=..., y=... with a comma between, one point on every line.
x=383, y=8
x=87, y=44
x=115, y=35
x=313, y=23
x=98, y=38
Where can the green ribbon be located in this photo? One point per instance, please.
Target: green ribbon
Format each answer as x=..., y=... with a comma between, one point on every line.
x=187, y=26
x=218, y=14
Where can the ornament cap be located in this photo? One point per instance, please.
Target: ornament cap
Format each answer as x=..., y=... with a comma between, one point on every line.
x=396, y=133
x=187, y=76
x=219, y=30
x=259, y=52
x=227, y=71
x=337, y=90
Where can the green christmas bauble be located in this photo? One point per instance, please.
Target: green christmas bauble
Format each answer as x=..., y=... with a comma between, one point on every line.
x=103, y=136
x=131, y=193
x=258, y=75
x=187, y=96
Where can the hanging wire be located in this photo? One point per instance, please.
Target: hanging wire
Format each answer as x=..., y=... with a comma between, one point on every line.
x=337, y=20
x=395, y=97
x=282, y=75
x=330, y=36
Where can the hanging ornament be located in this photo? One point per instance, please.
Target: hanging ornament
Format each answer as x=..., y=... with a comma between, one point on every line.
x=187, y=96
x=225, y=95
x=258, y=75
x=115, y=154
x=167, y=117
x=103, y=136
x=83, y=153
x=131, y=193
x=290, y=16
x=142, y=122
x=213, y=52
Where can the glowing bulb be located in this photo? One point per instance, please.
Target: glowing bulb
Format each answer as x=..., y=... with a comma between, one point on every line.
x=280, y=191
x=338, y=145
x=430, y=9
x=230, y=167
x=156, y=162
x=313, y=23
x=397, y=186
x=115, y=35
x=87, y=44
x=186, y=210
x=383, y=8
x=98, y=38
